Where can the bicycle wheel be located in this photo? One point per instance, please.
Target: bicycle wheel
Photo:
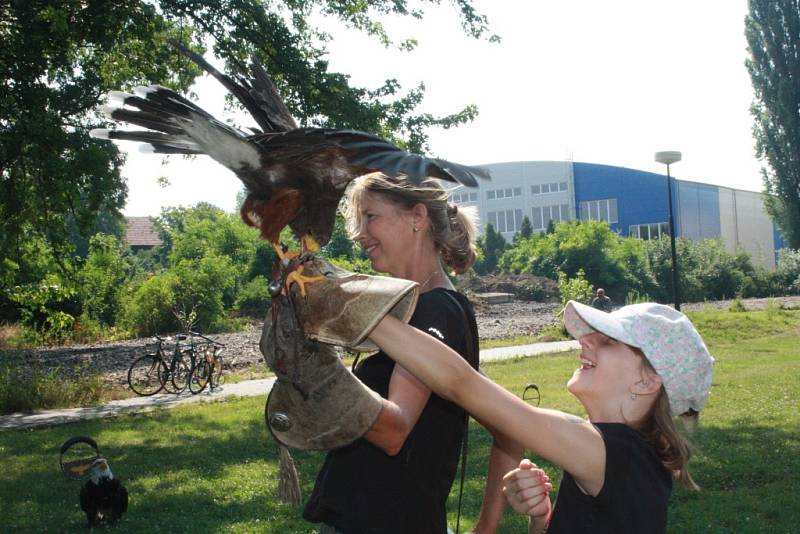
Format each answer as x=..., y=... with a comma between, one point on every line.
x=146, y=375
x=180, y=369
x=200, y=375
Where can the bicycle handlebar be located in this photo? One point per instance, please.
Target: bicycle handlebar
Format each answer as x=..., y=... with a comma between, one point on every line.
x=212, y=341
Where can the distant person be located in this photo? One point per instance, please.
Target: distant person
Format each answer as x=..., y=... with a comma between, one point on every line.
x=602, y=302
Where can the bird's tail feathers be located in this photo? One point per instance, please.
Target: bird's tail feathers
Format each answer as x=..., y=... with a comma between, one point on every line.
x=177, y=126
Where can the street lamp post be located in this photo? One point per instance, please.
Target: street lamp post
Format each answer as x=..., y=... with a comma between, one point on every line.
x=668, y=158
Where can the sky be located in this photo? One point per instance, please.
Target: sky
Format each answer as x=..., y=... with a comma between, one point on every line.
x=608, y=82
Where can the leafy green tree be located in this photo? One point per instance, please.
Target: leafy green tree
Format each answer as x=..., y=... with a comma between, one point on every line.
x=57, y=59
x=526, y=228
x=575, y=288
x=492, y=244
x=340, y=245
x=101, y=279
x=787, y=272
x=773, y=35
x=606, y=259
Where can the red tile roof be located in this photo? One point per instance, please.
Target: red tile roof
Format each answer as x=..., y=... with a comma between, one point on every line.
x=141, y=232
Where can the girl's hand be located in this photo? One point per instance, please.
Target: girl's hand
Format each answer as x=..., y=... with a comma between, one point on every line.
x=527, y=489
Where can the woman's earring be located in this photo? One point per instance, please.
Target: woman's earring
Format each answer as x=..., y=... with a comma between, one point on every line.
x=415, y=228
x=633, y=396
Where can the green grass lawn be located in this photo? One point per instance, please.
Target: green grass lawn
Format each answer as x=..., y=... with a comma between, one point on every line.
x=213, y=467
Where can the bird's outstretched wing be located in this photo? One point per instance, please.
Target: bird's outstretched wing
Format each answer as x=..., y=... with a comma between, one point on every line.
x=315, y=164
x=259, y=95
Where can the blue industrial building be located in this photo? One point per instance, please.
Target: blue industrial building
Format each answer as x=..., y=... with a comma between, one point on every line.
x=633, y=202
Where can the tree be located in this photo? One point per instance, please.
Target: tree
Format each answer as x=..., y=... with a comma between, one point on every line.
x=492, y=243
x=773, y=35
x=525, y=230
x=57, y=59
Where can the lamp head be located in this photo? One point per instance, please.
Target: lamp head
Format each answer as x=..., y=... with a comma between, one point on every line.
x=667, y=157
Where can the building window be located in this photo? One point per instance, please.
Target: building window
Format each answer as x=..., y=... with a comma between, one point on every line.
x=542, y=215
x=548, y=188
x=505, y=221
x=600, y=210
x=504, y=193
x=649, y=231
x=464, y=197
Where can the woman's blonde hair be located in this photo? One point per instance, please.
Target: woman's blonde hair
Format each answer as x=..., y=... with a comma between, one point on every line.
x=453, y=228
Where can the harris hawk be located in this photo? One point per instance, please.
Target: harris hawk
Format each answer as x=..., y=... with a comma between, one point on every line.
x=293, y=176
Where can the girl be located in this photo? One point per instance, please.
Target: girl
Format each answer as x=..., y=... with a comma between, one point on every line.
x=639, y=366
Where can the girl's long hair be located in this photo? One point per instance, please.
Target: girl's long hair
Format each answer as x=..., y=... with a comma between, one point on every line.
x=658, y=429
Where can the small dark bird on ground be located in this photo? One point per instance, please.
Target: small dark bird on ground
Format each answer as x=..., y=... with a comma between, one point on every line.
x=103, y=497
x=294, y=176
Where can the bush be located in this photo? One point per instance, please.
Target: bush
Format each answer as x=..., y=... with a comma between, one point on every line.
x=737, y=306
x=576, y=288
x=47, y=309
x=149, y=309
x=204, y=287
x=787, y=271
x=101, y=279
x=254, y=299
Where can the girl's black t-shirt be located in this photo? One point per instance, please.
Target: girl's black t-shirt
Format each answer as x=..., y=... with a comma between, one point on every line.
x=634, y=496
x=362, y=490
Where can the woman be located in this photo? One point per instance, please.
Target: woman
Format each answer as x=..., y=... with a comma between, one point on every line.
x=397, y=478
x=639, y=366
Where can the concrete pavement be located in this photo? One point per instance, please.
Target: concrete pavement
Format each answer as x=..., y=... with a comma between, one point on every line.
x=248, y=388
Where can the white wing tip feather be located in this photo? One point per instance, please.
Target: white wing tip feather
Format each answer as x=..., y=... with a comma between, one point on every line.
x=106, y=110
x=99, y=133
x=142, y=90
x=117, y=97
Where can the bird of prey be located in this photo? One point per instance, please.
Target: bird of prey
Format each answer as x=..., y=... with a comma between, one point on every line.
x=103, y=497
x=293, y=176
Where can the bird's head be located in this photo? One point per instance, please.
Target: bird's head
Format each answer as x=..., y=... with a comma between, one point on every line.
x=100, y=471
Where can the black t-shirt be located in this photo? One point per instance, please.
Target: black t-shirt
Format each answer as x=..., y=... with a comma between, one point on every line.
x=634, y=495
x=360, y=489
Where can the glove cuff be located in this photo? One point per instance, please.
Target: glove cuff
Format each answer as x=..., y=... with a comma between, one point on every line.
x=345, y=307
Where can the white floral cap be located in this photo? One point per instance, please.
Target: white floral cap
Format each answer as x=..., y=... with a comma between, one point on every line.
x=667, y=338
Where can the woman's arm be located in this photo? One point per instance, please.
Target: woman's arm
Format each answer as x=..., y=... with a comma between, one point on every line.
x=566, y=440
x=407, y=398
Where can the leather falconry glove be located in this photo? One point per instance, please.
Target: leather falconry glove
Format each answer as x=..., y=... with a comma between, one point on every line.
x=344, y=307
x=316, y=402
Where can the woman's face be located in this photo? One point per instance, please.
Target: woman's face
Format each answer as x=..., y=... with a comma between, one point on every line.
x=386, y=234
x=608, y=371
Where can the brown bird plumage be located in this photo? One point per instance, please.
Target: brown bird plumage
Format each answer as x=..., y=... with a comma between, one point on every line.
x=293, y=176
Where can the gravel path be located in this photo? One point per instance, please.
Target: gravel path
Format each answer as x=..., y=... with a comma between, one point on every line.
x=494, y=321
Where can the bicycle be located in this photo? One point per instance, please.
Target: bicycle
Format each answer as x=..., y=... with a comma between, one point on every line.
x=152, y=372
x=206, y=370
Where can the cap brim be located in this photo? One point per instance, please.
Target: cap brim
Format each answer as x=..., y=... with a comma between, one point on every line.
x=580, y=320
